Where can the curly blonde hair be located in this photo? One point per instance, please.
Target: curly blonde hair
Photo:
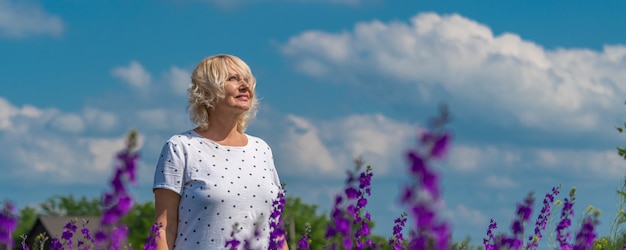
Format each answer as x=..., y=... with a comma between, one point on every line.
x=207, y=87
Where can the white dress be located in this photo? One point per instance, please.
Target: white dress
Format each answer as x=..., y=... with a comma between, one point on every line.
x=220, y=186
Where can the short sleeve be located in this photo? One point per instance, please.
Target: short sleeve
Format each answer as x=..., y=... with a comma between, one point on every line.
x=273, y=167
x=170, y=169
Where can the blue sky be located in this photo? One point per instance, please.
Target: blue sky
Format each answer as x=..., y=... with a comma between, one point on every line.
x=535, y=89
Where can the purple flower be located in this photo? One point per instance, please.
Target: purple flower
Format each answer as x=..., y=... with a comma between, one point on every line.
x=440, y=146
x=55, y=244
x=23, y=244
x=562, y=235
x=490, y=241
x=396, y=240
x=68, y=231
x=427, y=178
x=523, y=215
x=586, y=235
x=118, y=202
x=542, y=218
x=303, y=243
x=421, y=196
x=348, y=211
x=151, y=242
x=277, y=233
x=8, y=224
x=351, y=192
x=233, y=242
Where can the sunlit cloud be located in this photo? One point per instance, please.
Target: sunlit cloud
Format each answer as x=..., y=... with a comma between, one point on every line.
x=499, y=77
x=19, y=19
x=179, y=80
x=134, y=75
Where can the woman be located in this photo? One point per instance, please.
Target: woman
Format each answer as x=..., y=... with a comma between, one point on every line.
x=216, y=176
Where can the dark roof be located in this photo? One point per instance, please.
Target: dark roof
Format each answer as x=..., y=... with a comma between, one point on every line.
x=53, y=227
x=55, y=224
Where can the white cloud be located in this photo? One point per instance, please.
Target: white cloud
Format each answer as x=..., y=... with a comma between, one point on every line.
x=465, y=158
x=497, y=76
x=49, y=157
x=499, y=182
x=179, y=80
x=507, y=162
x=463, y=215
x=587, y=163
x=472, y=158
x=6, y=112
x=26, y=18
x=103, y=150
x=68, y=123
x=329, y=147
x=50, y=146
x=17, y=120
x=99, y=119
x=156, y=118
x=134, y=75
x=303, y=145
x=229, y=4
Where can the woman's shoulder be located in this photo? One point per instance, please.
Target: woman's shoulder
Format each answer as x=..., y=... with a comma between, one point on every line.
x=257, y=142
x=182, y=136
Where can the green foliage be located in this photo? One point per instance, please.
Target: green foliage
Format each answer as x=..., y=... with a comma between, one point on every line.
x=616, y=238
x=69, y=206
x=463, y=245
x=621, y=151
x=26, y=220
x=139, y=221
x=296, y=215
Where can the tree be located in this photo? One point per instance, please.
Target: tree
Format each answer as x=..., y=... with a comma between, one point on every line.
x=68, y=206
x=26, y=220
x=296, y=215
x=139, y=222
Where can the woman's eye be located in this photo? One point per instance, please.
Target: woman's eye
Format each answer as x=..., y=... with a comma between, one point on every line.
x=232, y=78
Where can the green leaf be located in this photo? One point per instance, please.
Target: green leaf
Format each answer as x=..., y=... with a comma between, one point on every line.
x=622, y=193
x=620, y=129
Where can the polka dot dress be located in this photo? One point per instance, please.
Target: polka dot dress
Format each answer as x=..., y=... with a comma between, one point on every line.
x=220, y=186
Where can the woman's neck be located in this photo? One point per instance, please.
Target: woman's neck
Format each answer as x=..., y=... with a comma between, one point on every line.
x=222, y=129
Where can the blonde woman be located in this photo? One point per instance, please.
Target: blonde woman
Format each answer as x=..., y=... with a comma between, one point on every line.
x=215, y=176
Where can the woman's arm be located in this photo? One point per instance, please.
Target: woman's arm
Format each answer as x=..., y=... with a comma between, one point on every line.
x=285, y=246
x=166, y=211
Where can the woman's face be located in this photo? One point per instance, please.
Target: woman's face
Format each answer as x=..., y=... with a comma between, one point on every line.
x=238, y=93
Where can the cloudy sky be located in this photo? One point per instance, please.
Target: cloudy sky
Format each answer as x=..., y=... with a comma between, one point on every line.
x=535, y=90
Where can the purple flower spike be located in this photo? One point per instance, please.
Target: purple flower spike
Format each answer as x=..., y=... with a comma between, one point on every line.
x=523, y=215
x=490, y=241
x=303, y=243
x=422, y=196
x=118, y=202
x=8, y=224
x=440, y=146
x=562, y=234
x=542, y=218
x=151, y=243
x=586, y=236
x=277, y=233
x=396, y=241
x=349, y=220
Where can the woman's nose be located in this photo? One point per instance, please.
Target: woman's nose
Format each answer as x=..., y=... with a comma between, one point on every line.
x=244, y=83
